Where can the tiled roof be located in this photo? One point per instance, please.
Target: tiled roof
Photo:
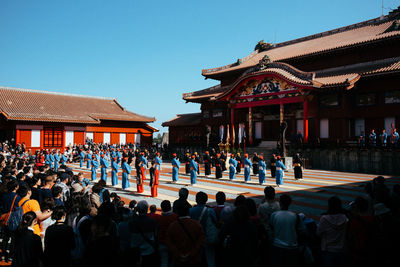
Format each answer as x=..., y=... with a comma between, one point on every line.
x=364, y=32
x=184, y=120
x=33, y=105
x=205, y=93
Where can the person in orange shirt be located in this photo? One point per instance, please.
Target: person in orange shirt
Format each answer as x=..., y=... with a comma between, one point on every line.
x=29, y=204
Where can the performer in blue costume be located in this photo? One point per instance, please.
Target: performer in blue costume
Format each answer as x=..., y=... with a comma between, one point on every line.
x=119, y=156
x=175, y=168
x=126, y=170
x=280, y=167
x=64, y=159
x=247, y=166
x=81, y=158
x=104, y=165
x=383, y=138
x=114, y=171
x=193, y=170
x=232, y=167
x=47, y=158
x=52, y=159
x=95, y=165
x=261, y=170
x=56, y=160
x=372, y=138
x=88, y=159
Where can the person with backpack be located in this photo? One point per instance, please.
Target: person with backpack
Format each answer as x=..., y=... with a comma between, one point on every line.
x=10, y=200
x=208, y=220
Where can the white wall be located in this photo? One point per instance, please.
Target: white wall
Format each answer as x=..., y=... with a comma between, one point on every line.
x=388, y=124
x=106, y=139
x=300, y=126
x=89, y=135
x=359, y=126
x=69, y=138
x=137, y=138
x=258, y=130
x=122, y=138
x=35, y=138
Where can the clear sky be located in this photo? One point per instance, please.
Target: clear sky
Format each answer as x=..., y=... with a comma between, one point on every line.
x=147, y=53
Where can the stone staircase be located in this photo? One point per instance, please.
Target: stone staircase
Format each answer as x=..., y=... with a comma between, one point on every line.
x=265, y=148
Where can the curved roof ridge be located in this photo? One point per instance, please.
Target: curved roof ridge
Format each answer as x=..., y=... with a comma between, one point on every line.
x=53, y=93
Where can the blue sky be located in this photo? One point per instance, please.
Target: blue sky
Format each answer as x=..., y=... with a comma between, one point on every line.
x=147, y=53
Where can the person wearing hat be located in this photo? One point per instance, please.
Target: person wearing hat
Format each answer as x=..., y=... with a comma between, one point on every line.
x=255, y=163
x=88, y=159
x=143, y=166
x=273, y=165
x=187, y=162
x=207, y=163
x=232, y=167
x=175, y=168
x=280, y=167
x=81, y=158
x=261, y=170
x=247, y=165
x=153, y=179
x=218, y=166
x=56, y=160
x=126, y=170
x=114, y=171
x=104, y=165
x=193, y=171
x=297, y=164
x=52, y=159
x=95, y=165
x=197, y=159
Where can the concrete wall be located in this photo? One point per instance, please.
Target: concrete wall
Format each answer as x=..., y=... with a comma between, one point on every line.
x=362, y=161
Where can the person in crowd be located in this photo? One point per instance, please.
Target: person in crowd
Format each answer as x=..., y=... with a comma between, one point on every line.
x=205, y=216
x=89, y=159
x=185, y=239
x=104, y=165
x=268, y=206
x=280, y=168
x=232, y=167
x=187, y=162
x=182, y=197
x=175, y=168
x=81, y=158
x=297, y=166
x=28, y=246
x=95, y=166
x=163, y=222
x=285, y=227
x=59, y=240
x=332, y=230
x=261, y=170
x=247, y=166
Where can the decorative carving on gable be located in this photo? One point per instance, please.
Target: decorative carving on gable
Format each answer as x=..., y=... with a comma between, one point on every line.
x=265, y=86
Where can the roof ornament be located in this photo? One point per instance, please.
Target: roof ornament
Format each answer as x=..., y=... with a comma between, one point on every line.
x=263, y=63
x=262, y=46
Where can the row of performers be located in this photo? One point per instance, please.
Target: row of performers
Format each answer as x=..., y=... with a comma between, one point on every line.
x=235, y=163
x=141, y=165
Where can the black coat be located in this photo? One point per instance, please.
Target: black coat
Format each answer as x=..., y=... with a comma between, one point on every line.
x=28, y=249
x=59, y=241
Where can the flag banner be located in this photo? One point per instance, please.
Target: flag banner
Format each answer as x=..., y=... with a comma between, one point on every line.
x=227, y=134
x=221, y=132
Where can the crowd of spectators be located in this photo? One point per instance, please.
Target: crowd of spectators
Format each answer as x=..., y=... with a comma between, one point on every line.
x=68, y=221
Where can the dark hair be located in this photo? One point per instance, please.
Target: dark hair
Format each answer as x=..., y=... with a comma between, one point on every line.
x=47, y=204
x=56, y=191
x=96, y=188
x=11, y=185
x=285, y=201
x=201, y=198
x=240, y=200
x=153, y=208
x=269, y=192
x=166, y=205
x=102, y=183
x=334, y=205
x=23, y=190
x=27, y=220
x=133, y=203
x=58, y=213
x=220, y=197
x=183, y=193
x=106, y=195
x=241, y=214
x=182, y=209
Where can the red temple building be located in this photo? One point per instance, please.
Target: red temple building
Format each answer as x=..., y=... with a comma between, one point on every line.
x=331, y=86
x=55, y=120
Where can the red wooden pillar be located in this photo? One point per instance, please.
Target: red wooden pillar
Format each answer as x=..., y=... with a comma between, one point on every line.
x=250, y=127
x=41, y=138
x=232, y=126
x=17, y=136
x=305, y=121
x=63, y=141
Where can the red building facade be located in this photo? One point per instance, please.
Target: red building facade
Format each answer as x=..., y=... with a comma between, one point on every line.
x=53, y=120
x=331, y=86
